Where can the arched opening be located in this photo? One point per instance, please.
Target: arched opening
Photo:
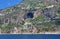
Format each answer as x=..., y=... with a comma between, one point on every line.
x=29, y=15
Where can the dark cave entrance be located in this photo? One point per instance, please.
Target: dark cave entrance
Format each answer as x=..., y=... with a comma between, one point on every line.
x=29, y=15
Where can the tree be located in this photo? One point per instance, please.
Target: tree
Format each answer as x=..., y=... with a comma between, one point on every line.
x=58, y=10
x=31, y=4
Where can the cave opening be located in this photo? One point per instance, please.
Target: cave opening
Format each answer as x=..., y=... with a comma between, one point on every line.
x=29, y=15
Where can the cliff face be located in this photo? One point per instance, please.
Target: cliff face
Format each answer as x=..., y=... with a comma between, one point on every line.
x=38, y=13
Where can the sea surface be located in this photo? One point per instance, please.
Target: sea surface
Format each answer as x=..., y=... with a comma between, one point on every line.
x=29, y=36
x=8, y=3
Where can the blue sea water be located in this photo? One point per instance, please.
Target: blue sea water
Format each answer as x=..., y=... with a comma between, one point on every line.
x=8, y=3
x=30, y=36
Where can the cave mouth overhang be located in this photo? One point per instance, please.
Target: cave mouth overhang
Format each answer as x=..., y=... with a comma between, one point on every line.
x=29, y=15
